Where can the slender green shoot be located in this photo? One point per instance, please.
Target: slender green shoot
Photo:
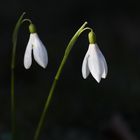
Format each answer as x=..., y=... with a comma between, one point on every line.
x=13, y=110
x=47, y=103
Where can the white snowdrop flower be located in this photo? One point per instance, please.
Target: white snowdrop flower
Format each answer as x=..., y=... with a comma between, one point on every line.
x=94, y=62
x=39, y=51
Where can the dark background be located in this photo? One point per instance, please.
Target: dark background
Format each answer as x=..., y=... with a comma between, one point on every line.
x=80, y=109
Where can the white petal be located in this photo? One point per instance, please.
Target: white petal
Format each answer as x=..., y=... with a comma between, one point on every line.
x=94, y=62
x=28, y=54
x=39, y=52
x=102, y=58
x=85, y=69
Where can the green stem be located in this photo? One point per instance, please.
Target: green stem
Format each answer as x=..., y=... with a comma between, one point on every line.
x=13, y=114
x=27, y=20
x=87, y=28
x=47, y=103
x=13, y=110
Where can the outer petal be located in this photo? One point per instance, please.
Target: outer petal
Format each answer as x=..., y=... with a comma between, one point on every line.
x=102, y=58
x=94, y=62
x=85, y=69
x=39, y=52
x=28, y=53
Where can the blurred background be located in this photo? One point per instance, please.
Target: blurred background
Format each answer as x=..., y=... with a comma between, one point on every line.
x=80, y=109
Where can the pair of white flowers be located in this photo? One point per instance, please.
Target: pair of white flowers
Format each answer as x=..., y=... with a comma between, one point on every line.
x=94, y=61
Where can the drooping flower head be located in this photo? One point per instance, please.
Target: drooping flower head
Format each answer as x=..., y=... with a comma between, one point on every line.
x=94, y=61
x=36, y=46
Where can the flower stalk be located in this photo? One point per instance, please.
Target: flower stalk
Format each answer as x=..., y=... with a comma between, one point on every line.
x=47, y=103
x=40, y=55
x=13, y=110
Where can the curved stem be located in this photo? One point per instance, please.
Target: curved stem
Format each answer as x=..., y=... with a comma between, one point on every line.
x=13, y=111
x=87, y=28
x=26, y=19
x=47, y=103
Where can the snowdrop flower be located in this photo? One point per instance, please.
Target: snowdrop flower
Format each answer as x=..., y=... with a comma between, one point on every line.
x=94, y=61
x=39, y=51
